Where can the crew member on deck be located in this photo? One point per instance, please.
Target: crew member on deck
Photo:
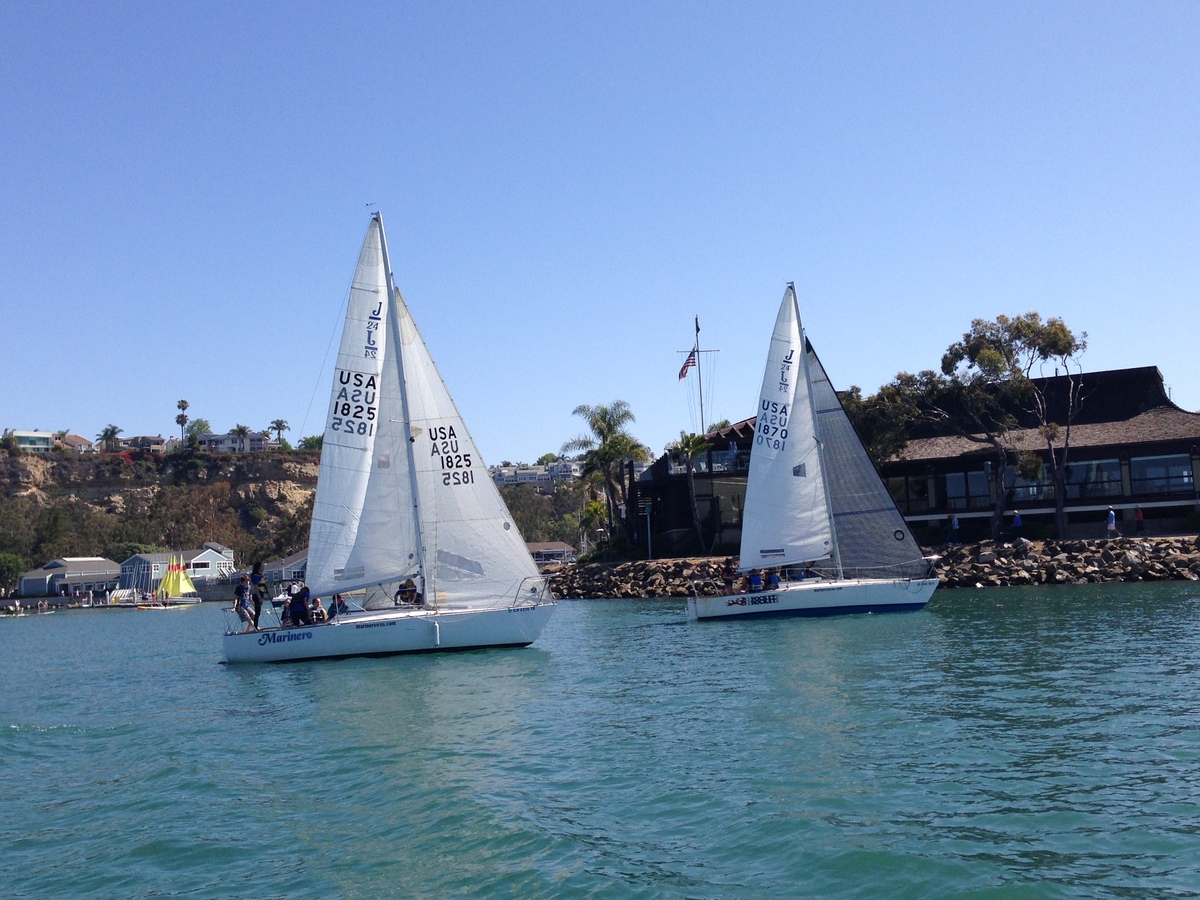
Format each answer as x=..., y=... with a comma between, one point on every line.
x=406, y=594
x=298, y=607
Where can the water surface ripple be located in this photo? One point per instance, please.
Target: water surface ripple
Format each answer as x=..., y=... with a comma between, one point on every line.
x=1008, y=743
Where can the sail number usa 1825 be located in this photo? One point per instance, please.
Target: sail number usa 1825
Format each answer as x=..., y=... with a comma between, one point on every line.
x=456, y=466
x=354, y=403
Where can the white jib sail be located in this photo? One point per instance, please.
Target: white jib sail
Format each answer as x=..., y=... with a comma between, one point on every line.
x=785, y=520
x=352, y=425
x=474, y=554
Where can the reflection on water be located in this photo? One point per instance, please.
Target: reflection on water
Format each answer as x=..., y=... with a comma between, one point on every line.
x=1000, y=740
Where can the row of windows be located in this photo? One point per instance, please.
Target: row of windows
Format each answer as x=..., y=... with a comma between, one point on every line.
x=1094, y=479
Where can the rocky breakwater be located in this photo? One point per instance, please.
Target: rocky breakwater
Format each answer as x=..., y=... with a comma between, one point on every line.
x=1024, y=562
x=1021, y=562
x=649, y=579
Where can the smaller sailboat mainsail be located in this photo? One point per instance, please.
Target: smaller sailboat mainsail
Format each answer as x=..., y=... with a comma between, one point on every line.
x=786, y=517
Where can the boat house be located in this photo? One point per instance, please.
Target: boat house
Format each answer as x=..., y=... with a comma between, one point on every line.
x=70, y=575
x=210, y=565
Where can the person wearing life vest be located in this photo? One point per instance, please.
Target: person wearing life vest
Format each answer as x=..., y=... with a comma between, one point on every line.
x=298, y=607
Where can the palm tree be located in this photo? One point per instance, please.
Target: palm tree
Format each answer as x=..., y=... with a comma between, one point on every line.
x=590, y=518
x=181, y=420
x=108, y=437
x=607, y=451
x=241, y=431
x=279, y=426
x=688, y=447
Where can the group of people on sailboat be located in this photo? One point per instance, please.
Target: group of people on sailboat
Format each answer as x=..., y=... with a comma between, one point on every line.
x=300, y=607
x=759, y=579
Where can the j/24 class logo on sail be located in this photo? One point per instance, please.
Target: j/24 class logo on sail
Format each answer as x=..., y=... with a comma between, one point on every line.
x=771, y=428
x=456, y=466
x=354, y=408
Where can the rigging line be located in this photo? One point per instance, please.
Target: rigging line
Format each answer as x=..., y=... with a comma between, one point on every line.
x=334, y=332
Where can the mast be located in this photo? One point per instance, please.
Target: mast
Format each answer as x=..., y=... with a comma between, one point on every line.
x=837, y=556
x=399, y=362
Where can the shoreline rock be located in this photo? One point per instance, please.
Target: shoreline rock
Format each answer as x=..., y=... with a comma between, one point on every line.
x=987, y=564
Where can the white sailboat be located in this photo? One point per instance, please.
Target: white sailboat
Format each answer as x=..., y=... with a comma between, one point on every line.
x=813, y=496
x=402, y=493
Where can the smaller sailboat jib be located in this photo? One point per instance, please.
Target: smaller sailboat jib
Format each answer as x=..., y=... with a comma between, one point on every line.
x=402, y=494
x=786, y=518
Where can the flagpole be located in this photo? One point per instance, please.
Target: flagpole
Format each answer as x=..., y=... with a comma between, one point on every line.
x=700, y=380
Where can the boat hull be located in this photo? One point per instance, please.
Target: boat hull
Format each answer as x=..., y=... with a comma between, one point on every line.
x=819, y=598
x=390, y=632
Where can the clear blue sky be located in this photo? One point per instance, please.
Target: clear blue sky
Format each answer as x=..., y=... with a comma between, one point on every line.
x=184, y=188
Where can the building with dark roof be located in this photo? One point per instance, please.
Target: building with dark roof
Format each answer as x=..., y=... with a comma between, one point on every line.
x=1131, y=447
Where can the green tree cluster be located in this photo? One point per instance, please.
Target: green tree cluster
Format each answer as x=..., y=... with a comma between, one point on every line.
x=987, y=379
x=606, y=455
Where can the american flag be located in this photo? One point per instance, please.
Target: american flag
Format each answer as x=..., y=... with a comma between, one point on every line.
x=687, y=364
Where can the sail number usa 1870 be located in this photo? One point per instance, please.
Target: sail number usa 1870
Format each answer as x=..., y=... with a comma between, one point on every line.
x=354, y=403
x=771, y=428
x=456, y=466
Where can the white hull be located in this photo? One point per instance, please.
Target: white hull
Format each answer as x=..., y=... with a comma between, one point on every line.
x=818, y=598
x=388, y=632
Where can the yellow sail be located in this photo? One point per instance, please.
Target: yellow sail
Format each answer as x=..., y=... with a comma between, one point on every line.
x=177, y=583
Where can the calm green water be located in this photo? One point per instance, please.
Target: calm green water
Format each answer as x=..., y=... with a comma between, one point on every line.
x=1015, y=743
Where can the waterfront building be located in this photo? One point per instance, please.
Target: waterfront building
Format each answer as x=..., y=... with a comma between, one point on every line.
x=1131, y=447
x=209, y=565
x=75, y=575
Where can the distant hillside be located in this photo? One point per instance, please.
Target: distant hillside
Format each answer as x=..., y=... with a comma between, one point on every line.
x=258, y=504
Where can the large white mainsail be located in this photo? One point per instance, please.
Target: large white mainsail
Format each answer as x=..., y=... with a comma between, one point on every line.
x=410, y=494
x=362, y=536
x=786, y=516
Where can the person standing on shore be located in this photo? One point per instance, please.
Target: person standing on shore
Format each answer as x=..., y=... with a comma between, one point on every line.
x=1112, y=523
x=1017, y=525
x=1141, y=521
